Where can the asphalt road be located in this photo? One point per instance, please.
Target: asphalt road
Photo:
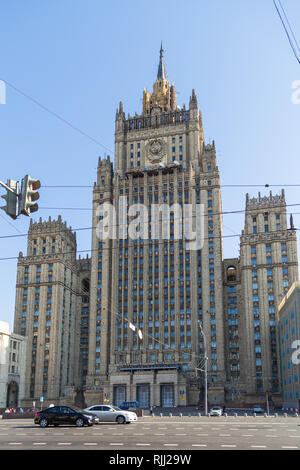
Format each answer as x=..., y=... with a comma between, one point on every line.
x=158, y=433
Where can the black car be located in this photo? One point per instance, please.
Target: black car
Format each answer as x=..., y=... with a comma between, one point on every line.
x=57, y=415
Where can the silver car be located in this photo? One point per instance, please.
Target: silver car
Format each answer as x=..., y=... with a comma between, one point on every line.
x=108, y=413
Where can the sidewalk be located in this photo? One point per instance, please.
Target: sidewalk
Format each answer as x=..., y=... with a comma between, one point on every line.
x=176, y=411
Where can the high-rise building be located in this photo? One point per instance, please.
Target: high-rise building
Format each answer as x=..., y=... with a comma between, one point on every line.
x=151, y=282
x=268, y=260
x=289, y=345
x=49, y=294
x=131, y=323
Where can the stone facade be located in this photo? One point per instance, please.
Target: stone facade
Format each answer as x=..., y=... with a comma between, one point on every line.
x=12, y=367
x=268, y=259
x=125, y=324
x=48, y=308
x=289, y=345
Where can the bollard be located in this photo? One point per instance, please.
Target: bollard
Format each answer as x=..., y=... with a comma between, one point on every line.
x=265, y=415
x=170, y=415
x=284, y=415
x=235, y=415
x=276, y=415
x=296, y=415
x=254, y=414
x=199, y=414
x=245, y=414
x=161, y=415
x=225, y=414
x=180, y=414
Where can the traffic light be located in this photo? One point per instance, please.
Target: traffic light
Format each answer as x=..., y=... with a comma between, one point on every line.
x=11, y=198
x=29, y=195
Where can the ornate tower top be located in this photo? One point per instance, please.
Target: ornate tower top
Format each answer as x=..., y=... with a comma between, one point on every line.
x=163, y=98
x=161, y=74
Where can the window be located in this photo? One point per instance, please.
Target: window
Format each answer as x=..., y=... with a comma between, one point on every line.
x=54, y=409
x=231, y=289
x=231, y=274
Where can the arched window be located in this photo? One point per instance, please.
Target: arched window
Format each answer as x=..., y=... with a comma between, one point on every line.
x=231, y=274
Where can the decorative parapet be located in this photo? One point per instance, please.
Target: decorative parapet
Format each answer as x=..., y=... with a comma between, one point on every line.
x=265, y=201
x=158, y=119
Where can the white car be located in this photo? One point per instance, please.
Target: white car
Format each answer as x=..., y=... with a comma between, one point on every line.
x=107, y=413
x=216, y=411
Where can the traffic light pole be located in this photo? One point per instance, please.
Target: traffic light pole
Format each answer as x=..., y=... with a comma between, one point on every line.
x=8, y=188
x=205, y=369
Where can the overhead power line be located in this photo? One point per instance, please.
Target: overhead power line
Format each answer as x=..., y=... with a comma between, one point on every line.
x=288, y=29
x=241, y=211
x=266, y=185
x=152, y=241
x=57, y=116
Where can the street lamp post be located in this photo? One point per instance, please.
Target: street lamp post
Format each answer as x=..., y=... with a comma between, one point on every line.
x=205, y=369
x=267, y=397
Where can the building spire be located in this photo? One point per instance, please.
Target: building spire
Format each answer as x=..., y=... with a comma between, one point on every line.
x=161, y=73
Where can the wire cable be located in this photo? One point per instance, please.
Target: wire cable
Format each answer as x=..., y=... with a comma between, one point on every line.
x=240, y=211
x=266, y=185
x=286, y=31
x=68, y=123
x=288, y=23
x=152, y=241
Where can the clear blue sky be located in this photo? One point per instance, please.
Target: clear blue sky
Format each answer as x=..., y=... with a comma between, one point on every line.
x=79, y=58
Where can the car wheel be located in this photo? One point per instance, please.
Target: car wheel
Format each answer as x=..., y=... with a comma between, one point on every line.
x=44, y=423
x=120, y=419
x=79, y=422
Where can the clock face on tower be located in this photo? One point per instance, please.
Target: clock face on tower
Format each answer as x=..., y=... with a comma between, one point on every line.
x=156, y=150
